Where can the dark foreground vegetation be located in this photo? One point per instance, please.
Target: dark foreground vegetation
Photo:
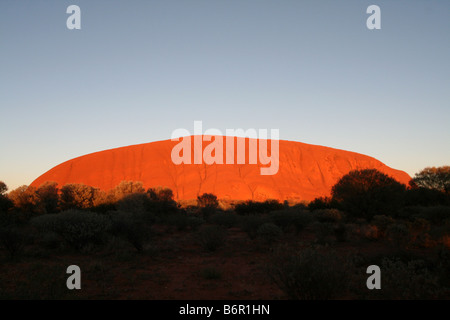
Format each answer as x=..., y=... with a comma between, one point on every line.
x=141, y=244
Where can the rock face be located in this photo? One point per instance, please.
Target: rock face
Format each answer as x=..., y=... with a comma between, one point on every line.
x=305, y=171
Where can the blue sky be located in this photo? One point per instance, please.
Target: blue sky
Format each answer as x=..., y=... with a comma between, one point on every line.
x=137, y=70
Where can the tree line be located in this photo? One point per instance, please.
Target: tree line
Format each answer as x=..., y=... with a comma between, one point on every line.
x=360, y=193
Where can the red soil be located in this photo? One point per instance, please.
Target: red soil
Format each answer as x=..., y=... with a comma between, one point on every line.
x=305, y=171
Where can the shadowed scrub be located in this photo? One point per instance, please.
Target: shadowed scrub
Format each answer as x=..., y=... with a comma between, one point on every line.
x=310, y=274
x=138, y=232
x=77, y=228
x=211, y=237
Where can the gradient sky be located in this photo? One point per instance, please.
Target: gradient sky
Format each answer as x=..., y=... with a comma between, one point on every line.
x=137, y=70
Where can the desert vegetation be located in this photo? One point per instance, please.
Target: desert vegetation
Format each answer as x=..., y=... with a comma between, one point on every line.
x=133, y=242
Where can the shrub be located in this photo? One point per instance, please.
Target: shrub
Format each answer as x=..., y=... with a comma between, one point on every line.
x=250, y=224
x=77, y=228
x=207, y=200
x=443, y=265
x=419, y=231
x=207, y=212
x=309, y=274
x=160, y=202
x=425, y=197
x=38, y=281
x=436, y=214
x=50, y=240
x=211, y=237
x=3, y=188
x=341, y=232
x=407, y=280
x=252, y=207
x=160, y=194
x=126, y=188
x=130, y=229
x=26, y=201
x=320, y=203
x=398, y=234
x=382, y=222
x=364, y=193
x=77, y=196
x=328, y=215
x=269, y=232
x=441, y=233
x=324, y=232
x=224, y=219
x=48, y=196
x=194, y=222
x=291, y=219
x=5, y=204
x=369, y=232
x=178, y=220
x=436, y=178
x=135, y=203
x=12, y=240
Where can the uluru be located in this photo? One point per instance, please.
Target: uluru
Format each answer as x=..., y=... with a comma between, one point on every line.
x=305, y=171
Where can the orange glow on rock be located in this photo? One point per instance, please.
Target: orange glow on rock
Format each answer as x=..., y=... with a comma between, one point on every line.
x=305, y=172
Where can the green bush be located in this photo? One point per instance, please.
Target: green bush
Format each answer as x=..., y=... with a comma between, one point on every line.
x=269, y=232
x=77, y=228
x=211, y=237
x=310, y=274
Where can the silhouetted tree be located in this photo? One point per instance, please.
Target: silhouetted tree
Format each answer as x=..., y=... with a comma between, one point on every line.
x=208, y=204
x=437, y=178
x=365, y=193
x=419, y=196
x=5, y=202
x=3, y=188
x=207, y=200
x=160, y=201
x=48, y=196
x=160, y=194
x=321, y=203
x=253, y=207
